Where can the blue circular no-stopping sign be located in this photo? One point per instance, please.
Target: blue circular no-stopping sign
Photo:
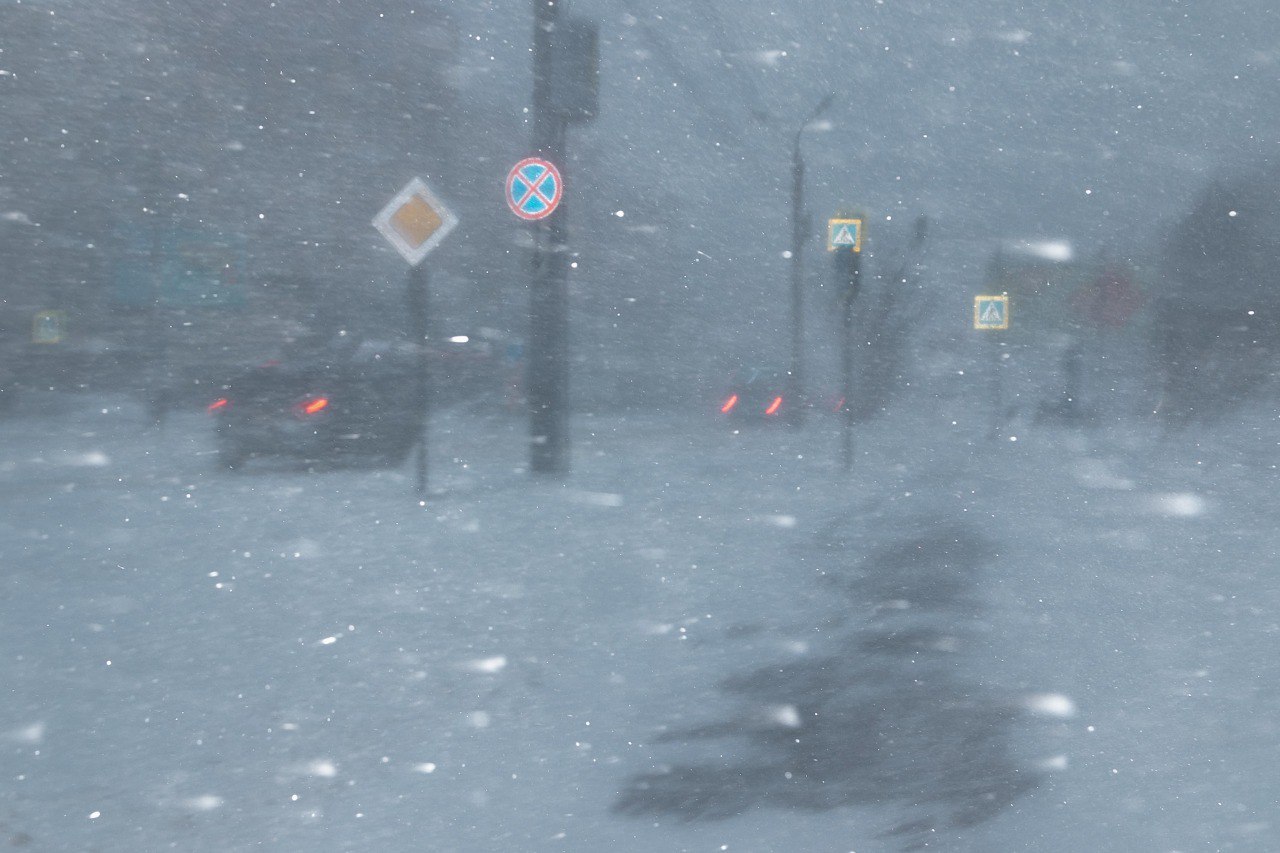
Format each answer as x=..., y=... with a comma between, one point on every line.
x=534, y=188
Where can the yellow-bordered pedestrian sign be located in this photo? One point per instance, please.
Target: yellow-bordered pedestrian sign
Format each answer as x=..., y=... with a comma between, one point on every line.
x=844, y=234
x=48, y=327
x=991, y=312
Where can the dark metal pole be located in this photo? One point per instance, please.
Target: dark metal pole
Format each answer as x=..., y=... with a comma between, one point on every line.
x=158, y=402
x=848, y=267
x=799, y=230
x=418, y=298
x=846, y=382
x=795, y=376
x=1073, y=368
x=997, y=392
x=548, y=363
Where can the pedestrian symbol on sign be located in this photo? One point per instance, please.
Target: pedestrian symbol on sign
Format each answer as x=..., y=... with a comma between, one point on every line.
x=844, y=234
x=47, y=327
x=991, y=312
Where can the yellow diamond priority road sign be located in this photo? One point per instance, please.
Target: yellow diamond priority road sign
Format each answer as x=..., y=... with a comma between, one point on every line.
x=415, y=222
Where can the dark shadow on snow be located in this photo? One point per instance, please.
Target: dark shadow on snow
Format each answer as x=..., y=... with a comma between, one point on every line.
x=891, y=712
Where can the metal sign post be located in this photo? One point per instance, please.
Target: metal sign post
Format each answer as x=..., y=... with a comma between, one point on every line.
x=844, y=238
x=991, y=313
x=415, y=222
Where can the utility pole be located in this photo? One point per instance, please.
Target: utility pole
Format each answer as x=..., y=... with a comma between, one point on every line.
x=799, y=230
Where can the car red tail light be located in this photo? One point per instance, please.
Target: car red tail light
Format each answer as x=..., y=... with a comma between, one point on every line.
x=311, y=406
x=774, y=406
x=220, y=403
x=729, y=404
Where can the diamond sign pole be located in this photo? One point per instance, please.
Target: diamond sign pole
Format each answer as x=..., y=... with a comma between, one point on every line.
x=415, y=222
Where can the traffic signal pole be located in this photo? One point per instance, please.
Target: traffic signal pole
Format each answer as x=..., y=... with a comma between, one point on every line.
x=799, y=226
x=548, y=351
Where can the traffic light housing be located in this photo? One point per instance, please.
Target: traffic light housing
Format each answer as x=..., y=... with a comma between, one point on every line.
x=575, y=70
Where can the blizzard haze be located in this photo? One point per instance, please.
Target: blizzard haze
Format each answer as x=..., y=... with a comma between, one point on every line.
x=1001, y=588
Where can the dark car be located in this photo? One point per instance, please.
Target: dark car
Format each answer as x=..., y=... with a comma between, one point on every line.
x=362, y=404
x=756, y=394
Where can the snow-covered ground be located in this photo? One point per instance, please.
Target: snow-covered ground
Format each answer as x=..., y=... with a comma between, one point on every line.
x=700, y=641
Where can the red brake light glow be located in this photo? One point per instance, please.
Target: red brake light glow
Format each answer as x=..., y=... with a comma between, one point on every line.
x=729, y=404
x=774, y=406
x=313, y=405
x=220, y=403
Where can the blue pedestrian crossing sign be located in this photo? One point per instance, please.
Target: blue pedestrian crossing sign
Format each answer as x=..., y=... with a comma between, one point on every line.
x=534, y=188
x=844, y=234
x=48, y=327
x=991, y=312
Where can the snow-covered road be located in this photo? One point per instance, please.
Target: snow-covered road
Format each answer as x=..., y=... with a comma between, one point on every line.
x=1066, y=642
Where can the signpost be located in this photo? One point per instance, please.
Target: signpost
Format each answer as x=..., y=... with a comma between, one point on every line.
x=991, y=313
x=415, y=222
x=844, y=238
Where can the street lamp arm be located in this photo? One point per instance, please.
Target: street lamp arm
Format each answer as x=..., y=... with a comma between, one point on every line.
x=817, y=111
x=822, y=106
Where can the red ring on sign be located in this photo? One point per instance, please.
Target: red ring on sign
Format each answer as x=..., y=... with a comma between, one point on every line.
x=535, y=189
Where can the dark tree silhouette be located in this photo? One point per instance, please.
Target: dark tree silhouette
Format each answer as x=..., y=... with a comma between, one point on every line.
x=1217, y=332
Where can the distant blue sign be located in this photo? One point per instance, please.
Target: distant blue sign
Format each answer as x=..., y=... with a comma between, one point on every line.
x=178, y=269
x=534, y=188
x=991, y=312
x=844, y=234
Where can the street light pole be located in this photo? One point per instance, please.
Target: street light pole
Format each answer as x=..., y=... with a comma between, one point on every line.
x=799, y=230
